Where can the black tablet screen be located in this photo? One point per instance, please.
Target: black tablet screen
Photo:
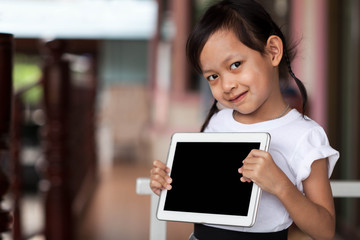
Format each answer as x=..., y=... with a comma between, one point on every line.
x=206, y=179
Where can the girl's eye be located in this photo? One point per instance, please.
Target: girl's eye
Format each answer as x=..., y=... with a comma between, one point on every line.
x=212, y=77
x=235, y=65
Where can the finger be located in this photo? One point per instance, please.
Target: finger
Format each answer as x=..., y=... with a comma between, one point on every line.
x=249, y=164
x=245, y=179
x=161, y=165
x=250, y=159
x=157, y=191
x=254, y=157
x=256, y=153
x=163, y=181
x=154, y=184
x=160, y=174
x=244, y=169
x=158, y=183
x=255, y=160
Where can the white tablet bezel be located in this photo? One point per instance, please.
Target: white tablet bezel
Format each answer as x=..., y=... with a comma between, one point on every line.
x=244, y=221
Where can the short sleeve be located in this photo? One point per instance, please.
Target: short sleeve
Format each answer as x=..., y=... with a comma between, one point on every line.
x=313, y=145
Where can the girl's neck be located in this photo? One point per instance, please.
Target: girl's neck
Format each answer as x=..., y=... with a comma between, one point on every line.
x=261, y=116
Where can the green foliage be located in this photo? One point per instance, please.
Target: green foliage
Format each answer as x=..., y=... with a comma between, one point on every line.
x=26, y=72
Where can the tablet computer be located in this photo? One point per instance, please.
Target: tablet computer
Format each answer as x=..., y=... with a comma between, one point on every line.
x=206, y=185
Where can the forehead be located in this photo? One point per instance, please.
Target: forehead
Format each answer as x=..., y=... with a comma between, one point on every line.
x=222, y=36
x=221, y=45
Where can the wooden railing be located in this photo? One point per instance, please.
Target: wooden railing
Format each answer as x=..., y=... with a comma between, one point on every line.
x=16, y=168
x=6, y=66
x=68, y=144
x=340, y=189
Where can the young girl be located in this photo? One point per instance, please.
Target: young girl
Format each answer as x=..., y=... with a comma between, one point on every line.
x=243, y=55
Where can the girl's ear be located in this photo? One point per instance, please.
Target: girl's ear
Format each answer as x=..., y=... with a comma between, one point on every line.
x=274, y=47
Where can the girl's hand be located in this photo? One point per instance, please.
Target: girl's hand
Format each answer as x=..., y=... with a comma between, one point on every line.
x=260, y=168
x=159, y=177
x=313, y=212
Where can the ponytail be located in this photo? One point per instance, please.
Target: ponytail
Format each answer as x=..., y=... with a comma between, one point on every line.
x=298, y=83
x=214, y=109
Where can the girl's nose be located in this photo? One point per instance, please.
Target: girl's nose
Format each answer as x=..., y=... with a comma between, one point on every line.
x=228, y=83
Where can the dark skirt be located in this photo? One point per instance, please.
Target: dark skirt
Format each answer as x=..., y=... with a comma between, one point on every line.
x=202, y=232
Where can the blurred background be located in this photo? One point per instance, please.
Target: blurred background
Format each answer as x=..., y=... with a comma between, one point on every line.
x=101, y=85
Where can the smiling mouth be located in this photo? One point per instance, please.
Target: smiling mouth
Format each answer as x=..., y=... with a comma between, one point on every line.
x=238, y=97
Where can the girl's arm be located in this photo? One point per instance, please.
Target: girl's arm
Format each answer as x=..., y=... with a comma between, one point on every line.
x=314, y=212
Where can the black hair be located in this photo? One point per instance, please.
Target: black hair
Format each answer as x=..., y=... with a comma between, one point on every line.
x=252, y=25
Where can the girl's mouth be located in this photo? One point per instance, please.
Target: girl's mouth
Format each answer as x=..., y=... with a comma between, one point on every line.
x=238, y=98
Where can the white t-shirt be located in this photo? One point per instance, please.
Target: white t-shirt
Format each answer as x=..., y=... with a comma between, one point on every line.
x=295, y=144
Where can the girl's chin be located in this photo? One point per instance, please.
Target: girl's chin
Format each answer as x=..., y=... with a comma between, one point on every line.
x=243, y=111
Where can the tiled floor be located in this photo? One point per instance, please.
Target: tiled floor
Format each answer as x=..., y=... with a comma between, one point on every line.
x=117, y=212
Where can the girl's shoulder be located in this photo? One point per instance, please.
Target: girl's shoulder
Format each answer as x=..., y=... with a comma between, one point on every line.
x=304, y=123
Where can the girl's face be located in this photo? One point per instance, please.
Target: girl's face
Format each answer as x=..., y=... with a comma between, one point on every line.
x=241, y=78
